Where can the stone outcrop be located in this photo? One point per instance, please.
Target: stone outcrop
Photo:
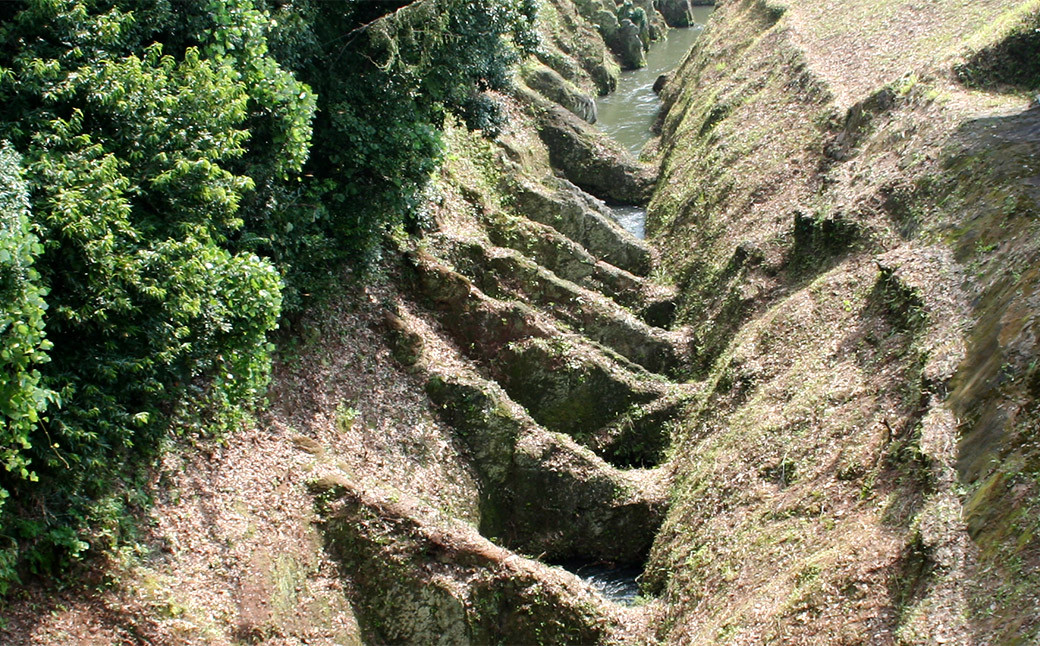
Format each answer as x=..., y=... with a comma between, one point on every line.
x=660, y=82
x=572, y=46
x=546, y=494
x=829, y=216
x=627, y=27
x=629, y=45
x=587, y=221
x=584, y=157
x=425, y=578
x=678, y=13
x=524, y=310
x=548, y=82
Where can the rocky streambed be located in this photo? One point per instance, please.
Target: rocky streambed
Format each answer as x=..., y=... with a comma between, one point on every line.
x=778, y=431
x=529, y=315
x=772, y=430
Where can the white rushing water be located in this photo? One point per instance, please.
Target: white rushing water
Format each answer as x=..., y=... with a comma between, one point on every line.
x=615, y=583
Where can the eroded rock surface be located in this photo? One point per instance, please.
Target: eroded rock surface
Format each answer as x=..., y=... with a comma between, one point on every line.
x=828, y=207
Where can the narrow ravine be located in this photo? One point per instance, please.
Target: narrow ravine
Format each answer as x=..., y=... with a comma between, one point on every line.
x=627, y=114
x=531, y=321
x=616, y=583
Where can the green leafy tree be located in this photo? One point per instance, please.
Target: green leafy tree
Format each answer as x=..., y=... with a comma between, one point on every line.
x=386, y=75
x=23, y=347
x=179, y=200
x=139, y=162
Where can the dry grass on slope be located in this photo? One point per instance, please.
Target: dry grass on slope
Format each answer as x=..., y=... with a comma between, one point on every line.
x=857, y=46
x=229, y=554
x=828, y=490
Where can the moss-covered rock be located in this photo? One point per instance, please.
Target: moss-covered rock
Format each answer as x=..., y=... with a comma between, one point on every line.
x=569, y=387
x=587, y=158
x=554, y=87
x=570, y=504
x=642, y=436
x=561, y=205
x=487, y=422
x=572, y=46
x=678, y=13
x=506, y=274
x=425, y=578
x=630, y=45
x=545, y=494
x=596, y=317
x=546, y=246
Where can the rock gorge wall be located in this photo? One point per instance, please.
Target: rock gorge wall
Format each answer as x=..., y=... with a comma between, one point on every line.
x=493, y=398
x=527, y=319
x=847, y=206
x=819, y=418
x=810, y=401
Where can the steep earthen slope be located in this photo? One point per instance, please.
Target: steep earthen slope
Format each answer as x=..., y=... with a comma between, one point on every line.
x=847, y=205
x=835, y=442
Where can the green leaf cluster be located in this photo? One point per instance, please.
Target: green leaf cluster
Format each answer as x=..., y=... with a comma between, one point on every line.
x=135, y=161
x=23, y=345
x=385, y=75
x=178, y=174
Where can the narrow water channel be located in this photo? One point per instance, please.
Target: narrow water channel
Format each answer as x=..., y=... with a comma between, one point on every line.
x=627, y=114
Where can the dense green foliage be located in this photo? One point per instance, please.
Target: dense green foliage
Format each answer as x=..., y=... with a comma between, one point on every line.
x=22, y=344
x=384, y=85
x=131, y=157
x=174, y=195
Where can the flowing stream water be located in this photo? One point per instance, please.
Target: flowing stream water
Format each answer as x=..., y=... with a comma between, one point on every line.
x=627, y=114
x=616, y=583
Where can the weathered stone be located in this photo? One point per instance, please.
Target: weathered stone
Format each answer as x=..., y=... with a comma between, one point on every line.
x=623, y=287
x=554, y=87
x=479, y=324
x=656, y=25
x=586, y=157
x=426, y=579
x=660, y=308
x=678, y=13
x=570, y=261
x=546, y=246
x=596, y=317
x=661, y=81
x=544, y=493
x=480, y=411
x=584, y=220
x=605, y=76
x=630, y=46
x=406, y=344
x=640, y=437
x=569, y=387
x=571, y=504
x=571, y=46
x=607, y=23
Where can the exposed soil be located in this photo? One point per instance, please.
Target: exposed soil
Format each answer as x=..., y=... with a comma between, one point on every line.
x=832, y=225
